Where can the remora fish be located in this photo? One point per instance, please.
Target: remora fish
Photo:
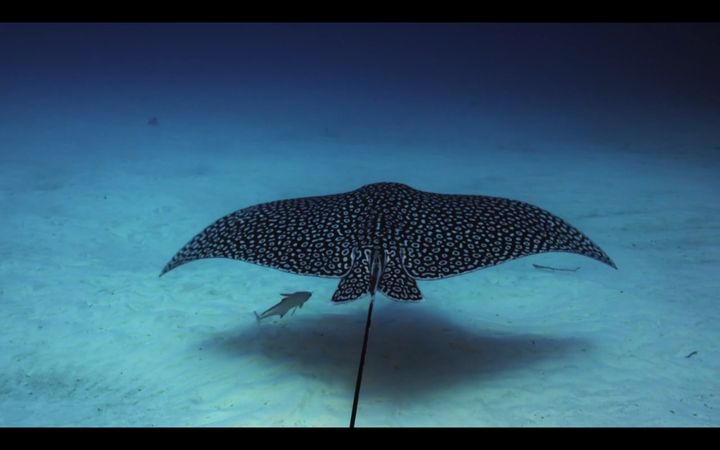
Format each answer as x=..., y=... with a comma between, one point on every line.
x=290, y=301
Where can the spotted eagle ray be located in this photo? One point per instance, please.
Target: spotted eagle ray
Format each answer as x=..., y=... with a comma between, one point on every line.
x=384, y=237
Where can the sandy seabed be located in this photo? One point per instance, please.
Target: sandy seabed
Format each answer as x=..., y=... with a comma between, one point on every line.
x=90, y=336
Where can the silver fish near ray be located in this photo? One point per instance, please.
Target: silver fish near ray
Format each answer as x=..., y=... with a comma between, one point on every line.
x=386, y=236
x=291, y=301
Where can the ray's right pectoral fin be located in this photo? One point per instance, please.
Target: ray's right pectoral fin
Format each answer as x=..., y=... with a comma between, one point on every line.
x=398, y=285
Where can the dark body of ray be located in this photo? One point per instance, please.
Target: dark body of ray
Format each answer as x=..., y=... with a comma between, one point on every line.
x=385, y=236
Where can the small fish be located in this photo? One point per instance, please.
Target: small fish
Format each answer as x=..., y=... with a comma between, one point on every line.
x=290, y=301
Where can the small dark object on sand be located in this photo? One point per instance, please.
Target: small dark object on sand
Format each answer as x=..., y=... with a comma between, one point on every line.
x=153, y=121
x=554, y=268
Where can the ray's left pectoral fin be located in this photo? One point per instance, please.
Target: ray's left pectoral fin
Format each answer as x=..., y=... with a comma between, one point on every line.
x=352, y=286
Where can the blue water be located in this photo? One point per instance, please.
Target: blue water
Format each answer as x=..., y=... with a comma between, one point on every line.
x=120, y=142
